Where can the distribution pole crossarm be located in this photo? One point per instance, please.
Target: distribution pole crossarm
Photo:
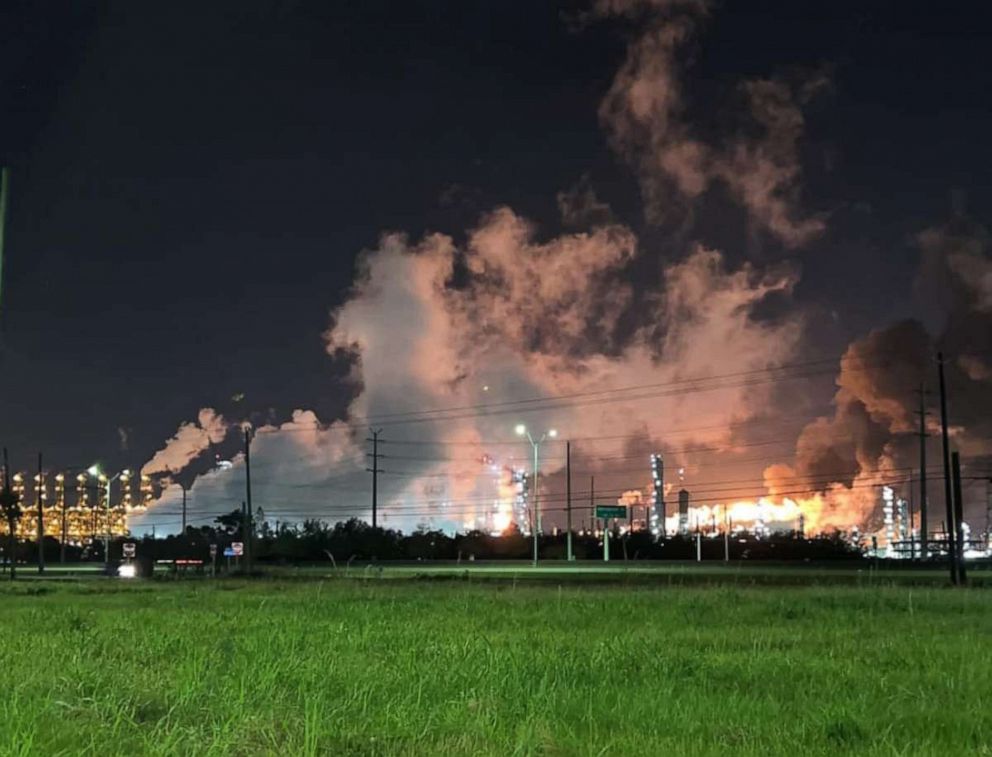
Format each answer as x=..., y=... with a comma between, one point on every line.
x=375, y=471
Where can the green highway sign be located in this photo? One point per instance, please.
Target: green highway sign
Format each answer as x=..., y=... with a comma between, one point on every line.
x=611, y=511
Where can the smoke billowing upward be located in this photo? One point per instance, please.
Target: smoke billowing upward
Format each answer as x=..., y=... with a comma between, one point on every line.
x=452, y=343
x=644, y=113
x=532, y=318
x=872, y=433
x=189, y=442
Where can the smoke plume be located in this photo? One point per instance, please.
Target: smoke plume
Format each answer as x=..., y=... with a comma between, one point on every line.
x=870, y=440
x=645, y=116
x=452, y=340
x=189, y=441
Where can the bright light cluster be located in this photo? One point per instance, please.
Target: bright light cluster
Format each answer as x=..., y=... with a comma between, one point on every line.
x=87, y=517
x=657, y=495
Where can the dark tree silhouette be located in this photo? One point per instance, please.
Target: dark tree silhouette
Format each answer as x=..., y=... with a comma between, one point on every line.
x=10, y=504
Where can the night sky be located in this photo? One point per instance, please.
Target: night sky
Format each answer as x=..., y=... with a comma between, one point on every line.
x=191, y=183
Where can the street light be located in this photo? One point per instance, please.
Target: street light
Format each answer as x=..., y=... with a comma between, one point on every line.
x=535, y=520
x=94, y=470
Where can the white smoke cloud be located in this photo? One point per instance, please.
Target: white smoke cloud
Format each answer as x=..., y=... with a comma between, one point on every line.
x=292, y=462
x=520, y=326
x=510, y=315
x=526, y=318
x=190, y=440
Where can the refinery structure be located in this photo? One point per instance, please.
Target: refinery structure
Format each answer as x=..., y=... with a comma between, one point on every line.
x=897, y=533
x=77, y=507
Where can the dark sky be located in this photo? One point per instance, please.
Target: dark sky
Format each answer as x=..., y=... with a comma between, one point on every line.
x=191, y=182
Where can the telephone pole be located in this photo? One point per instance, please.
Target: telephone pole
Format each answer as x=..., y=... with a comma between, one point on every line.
x=592, y=503
x=958, y=517
x=183, y=487
x=924, y=551
x=374, y=470
x=244, y=533
x=64, y=531
x=568, y=501
x=988, y=513
x=246, y=519
x=951, y=529
x=11, y=513
x=39, y=488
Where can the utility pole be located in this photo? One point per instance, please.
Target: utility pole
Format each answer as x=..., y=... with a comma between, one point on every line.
x=924, y=536
x=374, y=470
x=988, y=513
x=11, y=513
x=248, y=511
x=183, y=487
x=39, y=488
x=106, y=531
x=958, y=517
x=912, y=520
x=568, y=501
x=592, y=503
x=537, y=505
x=244, y=532
x=951, y=529
x=63, y=529
x=726, y=534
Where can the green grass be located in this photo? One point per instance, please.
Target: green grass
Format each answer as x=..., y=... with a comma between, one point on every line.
x=405, y=667
x=739, y=573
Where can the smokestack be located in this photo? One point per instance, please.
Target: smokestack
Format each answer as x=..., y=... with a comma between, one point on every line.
x=683, y=512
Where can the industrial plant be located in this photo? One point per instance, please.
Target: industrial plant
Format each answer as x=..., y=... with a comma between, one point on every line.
x=77, y=508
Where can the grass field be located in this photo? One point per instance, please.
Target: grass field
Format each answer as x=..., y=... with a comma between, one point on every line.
x=408, y=667
x=647, y=573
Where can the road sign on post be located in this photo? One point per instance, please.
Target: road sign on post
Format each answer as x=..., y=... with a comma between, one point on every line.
x=237, y=548
x=606, y=512
x=129, y=549
x=611, y=511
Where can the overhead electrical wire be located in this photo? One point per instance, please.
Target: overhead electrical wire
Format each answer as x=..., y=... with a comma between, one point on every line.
x=786, y=372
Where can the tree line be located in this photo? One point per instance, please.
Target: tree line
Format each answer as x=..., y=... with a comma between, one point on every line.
x=318, y=541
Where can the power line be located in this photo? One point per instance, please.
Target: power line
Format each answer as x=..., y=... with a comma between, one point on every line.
x=617, y=394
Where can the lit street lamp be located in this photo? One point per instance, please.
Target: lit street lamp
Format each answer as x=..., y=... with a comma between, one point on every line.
x=535, y=519
x=94, y=470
